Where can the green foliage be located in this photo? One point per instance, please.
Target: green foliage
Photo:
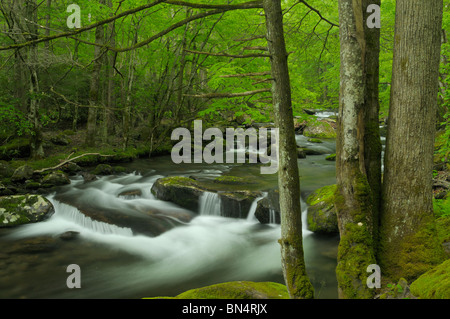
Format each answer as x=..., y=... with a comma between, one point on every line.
x=13, y=121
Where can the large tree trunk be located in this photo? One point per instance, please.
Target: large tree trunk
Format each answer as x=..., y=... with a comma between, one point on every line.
x=354, y=201
x=409, y=245
x=297, y=281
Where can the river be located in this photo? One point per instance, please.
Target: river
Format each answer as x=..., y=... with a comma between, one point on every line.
x=115, y=263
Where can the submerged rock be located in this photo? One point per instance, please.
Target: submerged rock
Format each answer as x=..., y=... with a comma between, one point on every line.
x=321, y=215
x=23, y=209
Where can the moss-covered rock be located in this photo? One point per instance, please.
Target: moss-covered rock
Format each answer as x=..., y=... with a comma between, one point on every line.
x=319, y=129
x=56, y=178
x=103, y=169
x=321, y=215
x=237, y=290
x=434, y=284
x=232, y=180
x=22, y=173
x=5, y=170
x=331, y=158
x=23, y=209
x=182, y=191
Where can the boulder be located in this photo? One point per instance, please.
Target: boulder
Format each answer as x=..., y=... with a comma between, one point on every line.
x=23, y=209
x=103, y=169
x=268, y=209
x=321, y=214
x=22, y=173
x=320, y=129
x=237, y=204
x=56, y=178
x=182, y=191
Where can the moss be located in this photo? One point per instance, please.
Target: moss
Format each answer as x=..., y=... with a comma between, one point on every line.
x=331, y=157
x=434, y=284
x=232, y=180
x=325, y=193
x=355, y=250
x=236, y=290
x=315, y=140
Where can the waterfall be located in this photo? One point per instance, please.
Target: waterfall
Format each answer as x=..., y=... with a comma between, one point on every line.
x=251, y=213
x=74, y=215
x=272, y=216
x=210, y=204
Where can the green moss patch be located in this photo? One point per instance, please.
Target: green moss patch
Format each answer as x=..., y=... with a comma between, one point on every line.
x=434, y=284
x=236, y=290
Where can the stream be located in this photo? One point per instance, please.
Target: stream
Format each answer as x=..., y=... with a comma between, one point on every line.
x=115, y=263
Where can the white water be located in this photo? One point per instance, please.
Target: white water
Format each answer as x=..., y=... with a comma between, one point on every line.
x=116, y=263
x=210, y=204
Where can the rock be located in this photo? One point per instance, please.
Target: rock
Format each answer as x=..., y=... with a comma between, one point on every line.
x=103, y=169
x=301, y=153
x=17, y=148
x=237, y=204
x=320, y=129
x=309, y=111
x=316, y=151
x=88, y=177
x=232, y=180
x=23, y=209
x=71, y=168
x=59, y=140
x=38, y=245
x=321, y=215
x=69, y=235
x=434, y=284
x=237, y=290
x=56, y=178
x=315, y=140
x=182, y=191
x=331, y=158
x=22, y=173
x=268, y=209
x=131, y=193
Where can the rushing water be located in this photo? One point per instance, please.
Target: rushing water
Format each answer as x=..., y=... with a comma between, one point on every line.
x=197, y=248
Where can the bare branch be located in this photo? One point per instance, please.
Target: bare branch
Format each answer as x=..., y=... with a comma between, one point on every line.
x=228, y=95
x=318, y=13
x=242, y=56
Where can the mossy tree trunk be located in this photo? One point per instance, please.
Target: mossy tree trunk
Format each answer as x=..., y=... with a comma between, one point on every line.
x=408, y=239
x=297, y=281
x=354, y=201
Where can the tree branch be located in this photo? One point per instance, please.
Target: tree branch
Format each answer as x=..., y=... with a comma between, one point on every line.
x=68, y=161
x=228, y=95
x=242, y=56
x=318, y=13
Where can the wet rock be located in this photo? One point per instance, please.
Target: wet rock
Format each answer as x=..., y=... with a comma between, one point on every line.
x=103, y=169
x=301, y=153
x=268, y=208
x=36, y=245
x=56, y=178
x=321, y=215
x=331, y=158
x=237, y=204
x=182, y=191
x=131, y=193
x=23, y=209
x=88, y=177
x=69, y=235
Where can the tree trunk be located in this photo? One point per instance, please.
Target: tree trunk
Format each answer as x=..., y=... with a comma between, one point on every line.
x=91, y=132
x=409, y=244
x=353, y=195
x=294, y=271
x=371, y=109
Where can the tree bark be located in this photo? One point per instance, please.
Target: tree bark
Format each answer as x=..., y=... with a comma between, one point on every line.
x=353, y=194
x=294, y=271
x=91, y=131
x=409, y=244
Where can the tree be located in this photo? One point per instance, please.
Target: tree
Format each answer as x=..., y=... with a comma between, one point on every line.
x=354, y=200
x=293, y=264
x=409, y=245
